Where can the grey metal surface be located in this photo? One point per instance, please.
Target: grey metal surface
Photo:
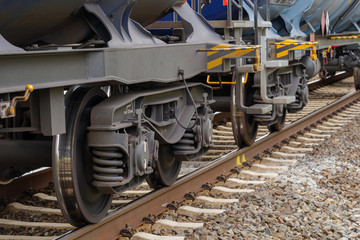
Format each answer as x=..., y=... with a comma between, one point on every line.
x=59, y=21
x=114, y=113
x=196, y=27
x=325, y=41
x=127, y=66
x=25, y=153
x=146, y=12
x=52, y=112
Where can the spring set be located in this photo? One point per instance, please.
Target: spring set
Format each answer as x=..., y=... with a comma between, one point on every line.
x=108, y=165
x=187, y=143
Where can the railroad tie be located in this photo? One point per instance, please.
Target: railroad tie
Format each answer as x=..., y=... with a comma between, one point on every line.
x=354, y=107
x=342, y=118
x=263, y=130
x=224, y=128
x=223, y=133
x=311, y=140
x=13, y=223
x=214, y=202
x=337, y=121
x=349, y=111
x=221, y=137
x=234, y=182
x=20, y=237
x=215, y=141
x=134, y=193
x=224, y=191
x=274, y=161
x=323, y=131
x=287, y=155
x=326, y=128
x=121, y=201
x=261, y=168
x=43, y=196
x=18, y=207
x=247, y=174
x=175, y=226
x=312, y=135
x=350, y=115
x=288, y=149
x=149, y=236
x=195, y=212
x=295, y=144
x=226, y=146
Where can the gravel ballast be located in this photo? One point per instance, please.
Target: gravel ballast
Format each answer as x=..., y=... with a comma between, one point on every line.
x=318, y=198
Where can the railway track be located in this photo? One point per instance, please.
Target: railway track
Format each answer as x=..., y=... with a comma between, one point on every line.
x=133, y=212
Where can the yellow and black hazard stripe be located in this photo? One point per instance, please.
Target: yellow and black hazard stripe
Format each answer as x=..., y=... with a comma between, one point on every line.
x=344, y=37
x=282, y=47
x=217, y=53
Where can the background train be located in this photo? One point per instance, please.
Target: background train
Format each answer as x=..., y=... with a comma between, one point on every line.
x=119, y=91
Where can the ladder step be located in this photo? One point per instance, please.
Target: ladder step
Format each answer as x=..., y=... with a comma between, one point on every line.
x=259, y=109
x=284, y=99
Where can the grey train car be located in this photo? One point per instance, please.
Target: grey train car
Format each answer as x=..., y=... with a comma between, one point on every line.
x=113, y=96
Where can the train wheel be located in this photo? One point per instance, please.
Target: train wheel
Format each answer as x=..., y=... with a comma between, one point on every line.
x=81, y=203
x=357, y=78
x=243, y=125
x=167, y=168
x=279, y=124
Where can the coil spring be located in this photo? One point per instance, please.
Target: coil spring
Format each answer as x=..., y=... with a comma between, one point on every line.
x=187, y=143
x=108, y=165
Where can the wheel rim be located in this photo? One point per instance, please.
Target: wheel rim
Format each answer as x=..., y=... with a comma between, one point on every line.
x=167, y=169
x=279, y=124
x=81, y=203
x=243, y=125
x=357, y=78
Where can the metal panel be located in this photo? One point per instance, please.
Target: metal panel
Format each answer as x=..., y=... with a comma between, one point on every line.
x=158, y=64
x=52, y=111
x=41, y=70
x=128, y=66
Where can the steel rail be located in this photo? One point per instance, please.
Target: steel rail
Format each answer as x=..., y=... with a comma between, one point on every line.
x=328, y=81
x=35, y=180
x=155, y=202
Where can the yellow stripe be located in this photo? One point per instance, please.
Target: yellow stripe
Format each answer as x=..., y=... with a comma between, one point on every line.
x=219, y=61
x=346, y=37
x=222, y=46
x=216, y=47
x=284, y=53
x=209, y=53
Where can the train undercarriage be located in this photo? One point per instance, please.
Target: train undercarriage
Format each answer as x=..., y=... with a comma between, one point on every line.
x=124, y=106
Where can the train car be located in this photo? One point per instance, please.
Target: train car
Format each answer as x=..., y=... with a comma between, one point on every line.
x=107, y=104
x=113, y=96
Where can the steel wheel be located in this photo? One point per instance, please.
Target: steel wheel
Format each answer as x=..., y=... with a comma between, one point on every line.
x=279, y=124
x=81, y=203
x=167, y=169
x=357, y=78
x=243, y=125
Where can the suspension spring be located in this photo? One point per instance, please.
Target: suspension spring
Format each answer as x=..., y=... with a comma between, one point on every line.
x=187, y=143
x=108, y=166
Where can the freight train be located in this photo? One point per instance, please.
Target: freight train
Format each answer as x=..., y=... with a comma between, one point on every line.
x=122, y=91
